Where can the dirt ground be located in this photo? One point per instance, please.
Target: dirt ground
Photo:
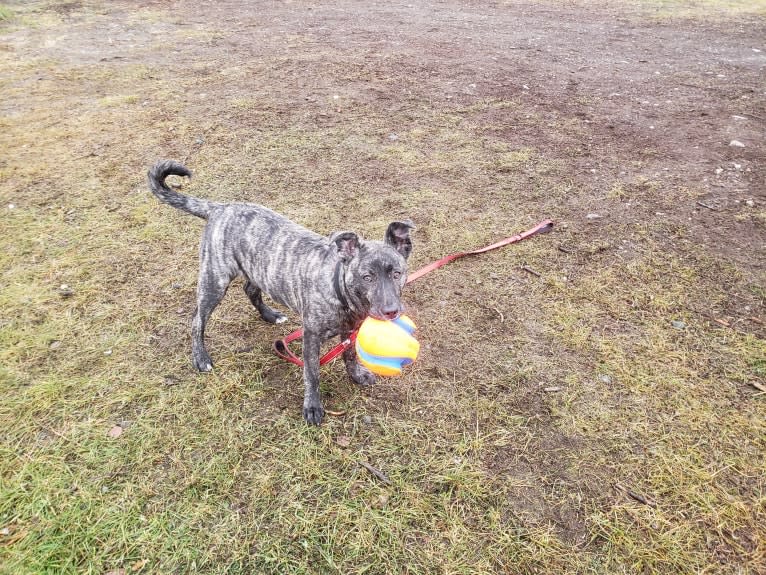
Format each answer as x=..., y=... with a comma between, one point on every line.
x=561, y=396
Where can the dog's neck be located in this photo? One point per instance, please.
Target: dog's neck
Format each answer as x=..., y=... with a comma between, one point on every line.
x=339, y=285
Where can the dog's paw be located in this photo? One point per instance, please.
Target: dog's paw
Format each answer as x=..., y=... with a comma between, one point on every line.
x=203, y=363
x=271, y=315
x=360, y=375
x=313, y=414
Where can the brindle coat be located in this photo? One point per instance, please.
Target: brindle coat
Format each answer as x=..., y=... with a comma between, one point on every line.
x=332, y=283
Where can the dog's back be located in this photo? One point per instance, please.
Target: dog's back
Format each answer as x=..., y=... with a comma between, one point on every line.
x=267, y=248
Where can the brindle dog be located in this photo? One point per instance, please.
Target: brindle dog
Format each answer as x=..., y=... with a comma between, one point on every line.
x=332, y=282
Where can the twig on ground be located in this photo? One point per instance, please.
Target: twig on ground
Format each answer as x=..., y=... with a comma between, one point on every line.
x=641, y=499
x=379, y=474
x=637, y=496
x=531, y=271
x=704, y=205
x=565, y=250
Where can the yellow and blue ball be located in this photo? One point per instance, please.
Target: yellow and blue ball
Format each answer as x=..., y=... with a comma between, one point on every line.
x=385, y=347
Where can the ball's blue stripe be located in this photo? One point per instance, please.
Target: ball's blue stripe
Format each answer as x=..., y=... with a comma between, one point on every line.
x=404, y=325
x=392, y=362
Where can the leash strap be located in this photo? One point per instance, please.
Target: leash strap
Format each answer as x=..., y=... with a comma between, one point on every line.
x=542, y=227
x=281, y=345
x=281, y=348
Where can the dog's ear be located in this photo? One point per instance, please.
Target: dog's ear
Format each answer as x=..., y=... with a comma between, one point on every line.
x=347, y=244
x=398, y=236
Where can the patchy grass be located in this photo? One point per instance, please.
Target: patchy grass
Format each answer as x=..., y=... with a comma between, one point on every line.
x=604, y=417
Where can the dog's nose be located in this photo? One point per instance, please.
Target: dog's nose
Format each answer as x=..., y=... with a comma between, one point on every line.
x=391, y=314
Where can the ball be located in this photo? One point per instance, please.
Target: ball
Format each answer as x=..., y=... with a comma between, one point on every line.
x=385, y=347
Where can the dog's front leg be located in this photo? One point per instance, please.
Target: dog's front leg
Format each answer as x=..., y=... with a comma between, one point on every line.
x=313, y=412
x=356, y=371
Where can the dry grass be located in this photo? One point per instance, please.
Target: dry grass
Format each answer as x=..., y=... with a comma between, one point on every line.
x=539, y=404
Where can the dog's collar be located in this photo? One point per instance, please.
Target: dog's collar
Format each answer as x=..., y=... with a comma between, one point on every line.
x=336, y=281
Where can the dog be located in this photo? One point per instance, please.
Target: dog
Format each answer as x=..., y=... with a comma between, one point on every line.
x=333, y=282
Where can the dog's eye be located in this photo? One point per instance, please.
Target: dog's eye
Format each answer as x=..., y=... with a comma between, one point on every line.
x=367, y=278
x=397, y=275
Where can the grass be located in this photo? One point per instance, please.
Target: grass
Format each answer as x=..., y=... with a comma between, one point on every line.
x=513, y=445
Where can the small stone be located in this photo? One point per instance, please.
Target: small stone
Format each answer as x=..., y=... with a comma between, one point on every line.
x=604, y=378
x=366, y=419
x=749, y=203
x=65, y=291
x=170, y=380
x=552, y=389
x=718, y=171
x=55, y=344
x=176, y=285
x=736, y=144
x=108, y=352
x=678, y=324
x=393, y=137
x=594, y=216
x=115, y=432
x=343, y=441
x=11, y=206
x=199, y=141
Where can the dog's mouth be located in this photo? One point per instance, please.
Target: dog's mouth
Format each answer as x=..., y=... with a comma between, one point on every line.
x=385, y=315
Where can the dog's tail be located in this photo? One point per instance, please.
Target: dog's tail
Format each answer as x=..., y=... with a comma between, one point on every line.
x=157, y=175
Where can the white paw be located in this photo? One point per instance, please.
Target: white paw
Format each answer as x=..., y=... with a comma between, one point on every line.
x=281, y=319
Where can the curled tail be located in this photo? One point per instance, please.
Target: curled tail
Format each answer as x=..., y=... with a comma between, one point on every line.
x=157, y=175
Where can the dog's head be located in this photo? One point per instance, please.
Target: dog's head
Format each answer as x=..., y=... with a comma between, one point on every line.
x=374, y=272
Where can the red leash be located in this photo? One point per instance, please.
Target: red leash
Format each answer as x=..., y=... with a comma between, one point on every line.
x=281, y=345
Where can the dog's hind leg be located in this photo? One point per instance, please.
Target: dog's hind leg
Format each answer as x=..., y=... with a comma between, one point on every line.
x=256, y=298
x=210, y=291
